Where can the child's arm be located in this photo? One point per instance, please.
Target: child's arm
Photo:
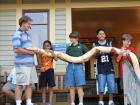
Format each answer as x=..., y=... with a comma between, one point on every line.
x=119, y=58
x=120, y=55
x=97, y=54
x=54, y=55
x=38, y=59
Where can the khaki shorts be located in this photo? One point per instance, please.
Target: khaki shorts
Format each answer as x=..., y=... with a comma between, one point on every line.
x=26, y=75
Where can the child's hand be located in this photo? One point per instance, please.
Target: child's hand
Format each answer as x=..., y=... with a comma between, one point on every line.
x=38, y=52
x=113, y=51
x=59, y=55
x=122, y=51
x=127, y=52
x=97, y=51
x=51, y=51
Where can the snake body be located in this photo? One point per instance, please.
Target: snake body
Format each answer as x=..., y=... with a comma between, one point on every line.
x=89, y=54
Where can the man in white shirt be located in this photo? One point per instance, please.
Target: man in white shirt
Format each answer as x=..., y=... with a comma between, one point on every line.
x=10, y=86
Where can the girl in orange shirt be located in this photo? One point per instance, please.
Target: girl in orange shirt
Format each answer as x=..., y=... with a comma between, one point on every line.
x=47, y=72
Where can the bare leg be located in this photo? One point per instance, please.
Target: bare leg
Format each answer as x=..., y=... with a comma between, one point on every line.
x=9, y=93
x=80, y=94
x=111, y=97
x=24, y=96
x=101, y=96
x=18, y=92
x=28, y=92
x=50, y=95
x=72, y=94
x=43, y=95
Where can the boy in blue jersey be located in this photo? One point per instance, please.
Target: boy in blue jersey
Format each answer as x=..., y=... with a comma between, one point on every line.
x=105, y=69
x=24, y=60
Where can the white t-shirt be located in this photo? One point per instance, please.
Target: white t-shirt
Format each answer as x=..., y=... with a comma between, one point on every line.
x=12, y=76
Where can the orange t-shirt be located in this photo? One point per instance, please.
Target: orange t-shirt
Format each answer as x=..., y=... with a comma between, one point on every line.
x=46, y=62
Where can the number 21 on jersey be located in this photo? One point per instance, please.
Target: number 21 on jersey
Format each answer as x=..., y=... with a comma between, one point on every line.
x=104, y=58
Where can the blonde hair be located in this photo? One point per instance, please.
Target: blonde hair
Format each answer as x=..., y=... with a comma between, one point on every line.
x=127, y=37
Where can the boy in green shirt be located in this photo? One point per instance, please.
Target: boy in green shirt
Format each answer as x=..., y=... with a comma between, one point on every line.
x=75, y=75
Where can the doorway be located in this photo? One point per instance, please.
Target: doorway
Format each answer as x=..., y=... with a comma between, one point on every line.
x=115, y=21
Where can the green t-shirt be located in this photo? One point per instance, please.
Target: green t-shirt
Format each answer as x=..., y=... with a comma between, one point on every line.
x=76, y=50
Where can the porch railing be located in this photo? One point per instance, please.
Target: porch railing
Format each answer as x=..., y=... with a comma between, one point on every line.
x=59, y=81
x=131, y=85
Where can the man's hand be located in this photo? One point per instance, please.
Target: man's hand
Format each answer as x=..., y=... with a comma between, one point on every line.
x=31, y=52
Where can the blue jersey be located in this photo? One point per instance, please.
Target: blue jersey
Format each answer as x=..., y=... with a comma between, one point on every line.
x=104, y=60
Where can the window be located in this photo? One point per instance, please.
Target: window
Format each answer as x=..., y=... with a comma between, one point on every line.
x=39, y=28
x=35, y=1
x=7, y=1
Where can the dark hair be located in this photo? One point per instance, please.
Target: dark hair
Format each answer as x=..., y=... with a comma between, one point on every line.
x=98, y=30
x=127, y=37
x=74, y=34
x=47, y=41
x=24, y=19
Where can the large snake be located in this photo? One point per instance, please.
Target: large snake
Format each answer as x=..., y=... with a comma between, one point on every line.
x=89, y=54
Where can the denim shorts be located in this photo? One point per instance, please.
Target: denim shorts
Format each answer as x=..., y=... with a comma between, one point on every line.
x=75, y=75
x=108, y=79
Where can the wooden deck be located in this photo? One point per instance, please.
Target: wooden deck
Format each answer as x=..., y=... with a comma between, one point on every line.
x=61, y=94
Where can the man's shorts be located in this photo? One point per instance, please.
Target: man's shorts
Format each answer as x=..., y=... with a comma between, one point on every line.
x=75, y=75
x=26, y=75
x=108, y=79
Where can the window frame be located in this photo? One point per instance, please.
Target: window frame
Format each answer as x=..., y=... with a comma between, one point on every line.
x=37, y=11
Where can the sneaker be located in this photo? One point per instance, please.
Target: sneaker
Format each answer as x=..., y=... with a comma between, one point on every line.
x=44, y=104
x=30, y=104
x=112, y=103
x=72, y=103
x=80, y=103
x=100, y=103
